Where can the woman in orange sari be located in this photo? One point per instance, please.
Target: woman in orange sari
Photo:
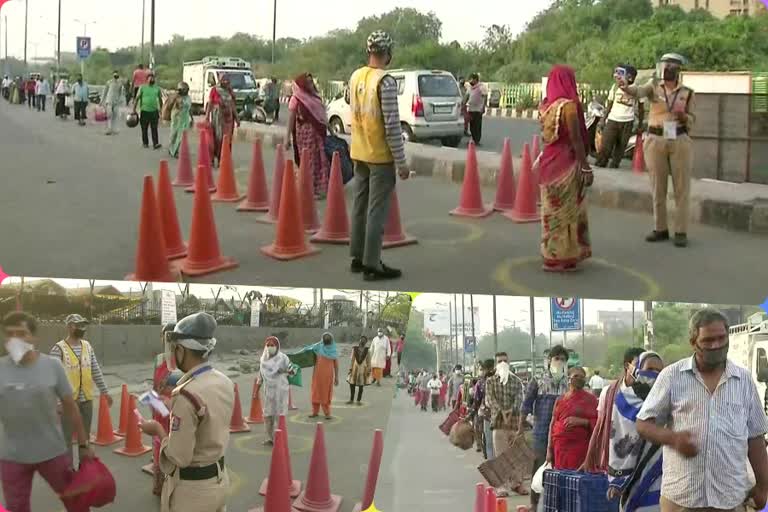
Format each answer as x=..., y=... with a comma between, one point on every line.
x=325, y=376
x=564, y=175
x=573, y=420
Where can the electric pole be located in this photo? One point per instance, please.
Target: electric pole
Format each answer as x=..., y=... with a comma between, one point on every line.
x=58, y=46
x=26, y=15
x=274, y=30
x=152, y=35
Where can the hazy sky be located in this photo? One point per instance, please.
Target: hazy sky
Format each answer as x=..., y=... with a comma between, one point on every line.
x=118, y=22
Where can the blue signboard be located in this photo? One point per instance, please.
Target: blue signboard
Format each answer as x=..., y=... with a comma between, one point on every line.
x=565, y=313
x=469, y=344
x=83, y=47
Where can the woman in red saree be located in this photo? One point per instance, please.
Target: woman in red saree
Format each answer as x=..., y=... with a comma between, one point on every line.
x=564, y=175
x=221, y=113
x=573, y=420
x=307, y=129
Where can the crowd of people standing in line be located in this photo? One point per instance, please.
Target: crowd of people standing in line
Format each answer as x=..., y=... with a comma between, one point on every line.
x=669, y=438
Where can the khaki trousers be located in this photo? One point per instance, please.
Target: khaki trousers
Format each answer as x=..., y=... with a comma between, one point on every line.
x=665, y=158
x=196, y=496
x=668, y=506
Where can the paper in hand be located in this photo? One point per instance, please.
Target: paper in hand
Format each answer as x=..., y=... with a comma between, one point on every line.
x=152, y=399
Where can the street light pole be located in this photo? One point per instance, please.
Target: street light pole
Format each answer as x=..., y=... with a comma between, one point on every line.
x=26, y=15
x=472, y=316
x=152, y=35
x=274, y=30
x=58, y=45
x=143, y=20
x=463, y=335
x=495, y=330
x=533, y=335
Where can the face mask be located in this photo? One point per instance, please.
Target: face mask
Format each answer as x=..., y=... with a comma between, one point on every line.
x=714, y=358
x=670, y=74
x=17, y=348
x=115, y=77
x=272, y=350
x=327, y=341
x=641, y=389
x=647, y=377
x=578, y=382
x=557, y=368
x=183, y=92
x=152, y=82
x=79, y=332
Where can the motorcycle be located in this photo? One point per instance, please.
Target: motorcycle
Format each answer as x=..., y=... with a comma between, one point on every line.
x=592, y=117
x=253, y=111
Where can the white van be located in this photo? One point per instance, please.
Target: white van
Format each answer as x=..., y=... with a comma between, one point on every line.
x=430, y=107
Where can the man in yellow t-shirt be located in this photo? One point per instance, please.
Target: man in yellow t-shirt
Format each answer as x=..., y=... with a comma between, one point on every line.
x=378, y=151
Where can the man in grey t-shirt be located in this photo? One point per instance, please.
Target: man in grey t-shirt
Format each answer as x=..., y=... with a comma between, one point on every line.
x=31, y=385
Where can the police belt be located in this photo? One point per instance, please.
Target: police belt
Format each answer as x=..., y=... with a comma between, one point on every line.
x=202, y=472
x=657, y=130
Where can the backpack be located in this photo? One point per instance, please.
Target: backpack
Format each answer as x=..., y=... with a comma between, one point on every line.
x=334, y=144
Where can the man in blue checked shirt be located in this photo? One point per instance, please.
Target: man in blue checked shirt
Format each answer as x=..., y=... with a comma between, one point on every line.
x=540, y=400
x=80, y=93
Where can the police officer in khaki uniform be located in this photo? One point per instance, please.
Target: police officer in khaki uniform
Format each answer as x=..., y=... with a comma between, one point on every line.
x=668, y=146
x=192, y=453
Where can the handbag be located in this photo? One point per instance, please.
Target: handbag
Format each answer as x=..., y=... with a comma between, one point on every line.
x=450, y=421
x=69, y=101
x=513, y=462
x=295, y=380
x=334, y=144
x=462, y=435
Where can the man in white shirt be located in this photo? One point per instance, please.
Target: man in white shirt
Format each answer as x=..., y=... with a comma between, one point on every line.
x=596, y=383
x=434, y=386
x=114, y=96
x=476, y=99
x=6, y=86
x=42, y=91
x=381, y=349
x=617, y=128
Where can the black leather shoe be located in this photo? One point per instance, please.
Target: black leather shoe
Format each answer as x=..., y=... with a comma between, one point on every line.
x=658, y=236
x=382, y=274
x=681, y=240
x=357, y=266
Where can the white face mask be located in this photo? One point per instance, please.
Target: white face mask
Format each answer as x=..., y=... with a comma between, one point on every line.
x=557, y=367
x=17, y=348
x=271, y=350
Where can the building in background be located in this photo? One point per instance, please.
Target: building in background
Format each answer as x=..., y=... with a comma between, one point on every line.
x=718, y=8
x=617, y=322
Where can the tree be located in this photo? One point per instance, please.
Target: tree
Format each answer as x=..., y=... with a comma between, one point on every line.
x=418, y=352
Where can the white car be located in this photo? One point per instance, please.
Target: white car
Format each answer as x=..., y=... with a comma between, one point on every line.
x=430, y=107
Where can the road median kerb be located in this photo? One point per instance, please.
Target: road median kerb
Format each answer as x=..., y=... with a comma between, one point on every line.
x=733, y=206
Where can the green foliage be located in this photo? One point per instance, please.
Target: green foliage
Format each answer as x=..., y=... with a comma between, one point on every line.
x=418, y=352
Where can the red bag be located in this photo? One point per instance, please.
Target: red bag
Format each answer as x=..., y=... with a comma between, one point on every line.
x=454, y=416
x=92, y=486
x=100, y=115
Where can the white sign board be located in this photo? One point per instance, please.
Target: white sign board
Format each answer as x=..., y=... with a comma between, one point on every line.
x=255, y=313
x=168, y=306
x=437, y=322
x=457, y=327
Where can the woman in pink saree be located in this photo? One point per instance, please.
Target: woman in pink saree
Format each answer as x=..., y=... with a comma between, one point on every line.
x=564, y=175
x=307, y=129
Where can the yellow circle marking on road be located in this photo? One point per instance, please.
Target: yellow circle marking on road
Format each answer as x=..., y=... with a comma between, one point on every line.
x=304, y=445
x=235, y=482
x=303, y=419
x=503, y=275
x=474, y=232
x=344, y=405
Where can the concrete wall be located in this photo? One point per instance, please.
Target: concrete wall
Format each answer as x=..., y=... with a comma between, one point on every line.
x=124, y=344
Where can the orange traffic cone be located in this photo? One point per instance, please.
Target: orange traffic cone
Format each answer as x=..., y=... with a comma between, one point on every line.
x=638, y=159
x=257, y=414
x=277, y=187
x=174, y=243
x=471, y=202
x=317, y=496
x=335, y=228
x=307, y=195
x=479, y=498
x=204, y=160
x=125, y=403
x=535, y=147
x=374, y=463
x=490, y=500
x=394, y=236
x=151, y=255
x=291, y=406
x=282, y=444
x=105, y=436
x=501, y=505
x=226, y=190
x=133, y=446
x=237, y=423
x=289, y=241
x=204, y=255
x=257, y=199
x=505, y=184
x=525, y=201
x=184, y=177
x=278, y=498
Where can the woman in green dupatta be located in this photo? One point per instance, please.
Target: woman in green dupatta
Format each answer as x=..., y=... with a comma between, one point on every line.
x=181, y=118
x=221, y=112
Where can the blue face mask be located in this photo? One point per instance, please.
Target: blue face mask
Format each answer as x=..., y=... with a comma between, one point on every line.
x=646, y=377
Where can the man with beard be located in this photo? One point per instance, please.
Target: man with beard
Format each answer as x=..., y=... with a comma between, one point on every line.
x=706, y=413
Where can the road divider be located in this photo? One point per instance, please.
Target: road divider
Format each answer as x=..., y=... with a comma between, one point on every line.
x=733, y=206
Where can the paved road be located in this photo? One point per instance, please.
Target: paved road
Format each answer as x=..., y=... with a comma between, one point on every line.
x=71, y=209
x=348, y=444
x=423, y=471
x=495, y=130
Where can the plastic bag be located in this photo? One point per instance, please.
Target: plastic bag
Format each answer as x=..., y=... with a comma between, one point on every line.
x=92, y=486
x=295, y=380
x=537, y=482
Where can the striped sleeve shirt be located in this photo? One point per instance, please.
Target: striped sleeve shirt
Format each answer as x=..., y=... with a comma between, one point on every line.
x=391, y=113
x=540, y=398
x=721, y=424
x=98, y=376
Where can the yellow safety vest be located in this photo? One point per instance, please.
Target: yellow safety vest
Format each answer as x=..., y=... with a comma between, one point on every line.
x=78, y=371
x=369, y=137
